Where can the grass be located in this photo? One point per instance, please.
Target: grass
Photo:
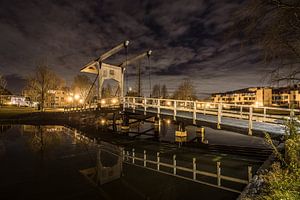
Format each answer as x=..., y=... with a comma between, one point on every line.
x=12, y=111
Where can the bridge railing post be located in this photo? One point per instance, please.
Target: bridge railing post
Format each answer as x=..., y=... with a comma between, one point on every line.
x=133, y=104
x=250, y=125
x=145, y=105
x=219, y=173
x=145, y=158
x=249, y=173
x=175, y=109
x=241, y=112
x=265, y=114
x=194, y=112
x=158, y=160
x=124, y=103
x=219, y=116
x=133, y=156
x=194, y=169
x=158, y=107
x=174, y=164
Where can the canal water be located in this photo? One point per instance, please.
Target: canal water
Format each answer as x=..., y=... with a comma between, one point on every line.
x=50, y=162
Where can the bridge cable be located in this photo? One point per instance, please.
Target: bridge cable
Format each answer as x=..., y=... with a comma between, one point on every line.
x=91, y=88
x=125, y=71
x=149, y=68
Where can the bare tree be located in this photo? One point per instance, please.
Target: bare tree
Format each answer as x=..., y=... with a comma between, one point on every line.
x=164, y=91
x=275, y=26
x=156, y=92
x=41, y=82
x=82, y=86
x=2, y=83
x=185, y=91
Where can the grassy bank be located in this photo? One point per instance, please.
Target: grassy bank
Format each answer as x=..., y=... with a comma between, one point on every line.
x=282, y=180
x=7, y=112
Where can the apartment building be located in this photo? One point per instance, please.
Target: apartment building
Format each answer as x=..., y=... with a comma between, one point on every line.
x=261, y=96
x=248, y=96
x=56, y=98
x=286, y=96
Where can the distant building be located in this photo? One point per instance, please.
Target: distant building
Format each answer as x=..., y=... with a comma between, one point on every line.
x=261, y=96
x=286, y=96
x=248, y=96
x=56, y=98
x=14, y=100
x=53, y=99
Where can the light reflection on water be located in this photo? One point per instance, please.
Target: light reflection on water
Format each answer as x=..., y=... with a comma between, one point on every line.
x=46, y=157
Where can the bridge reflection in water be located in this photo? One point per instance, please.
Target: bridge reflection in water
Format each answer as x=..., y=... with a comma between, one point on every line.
x=74, y=151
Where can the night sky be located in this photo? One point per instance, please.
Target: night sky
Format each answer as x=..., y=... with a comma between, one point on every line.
x=188, y=39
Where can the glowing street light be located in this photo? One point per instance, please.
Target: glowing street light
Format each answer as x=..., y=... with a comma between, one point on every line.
x=103, y=101
x=70, y=99
x=114, y=101
x=76, y=96
x=81, y=101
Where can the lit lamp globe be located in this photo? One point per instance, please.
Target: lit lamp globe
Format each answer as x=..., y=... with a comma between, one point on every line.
x=70, y=99
x=76, y=97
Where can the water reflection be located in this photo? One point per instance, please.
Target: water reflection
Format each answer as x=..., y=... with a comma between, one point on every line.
x=162, y=129
x=42, y=138
x=65, y=152
x=3, y=129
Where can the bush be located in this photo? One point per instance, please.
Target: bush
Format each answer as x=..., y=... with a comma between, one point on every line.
x=282, y=180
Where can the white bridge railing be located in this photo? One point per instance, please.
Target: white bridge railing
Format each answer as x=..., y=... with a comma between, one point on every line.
x=190, y=109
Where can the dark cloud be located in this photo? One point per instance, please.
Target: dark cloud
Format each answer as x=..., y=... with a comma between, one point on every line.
x=187, y=39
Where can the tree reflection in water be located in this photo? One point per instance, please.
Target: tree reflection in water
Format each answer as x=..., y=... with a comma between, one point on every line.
x=3, y=129
x=43, y=138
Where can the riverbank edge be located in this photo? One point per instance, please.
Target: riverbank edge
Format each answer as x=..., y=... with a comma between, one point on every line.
x=256, y=182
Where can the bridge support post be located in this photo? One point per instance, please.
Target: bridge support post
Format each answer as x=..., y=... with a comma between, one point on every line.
x=175, y=110
x=194, y=112
x=219, y=116
x=250, y=126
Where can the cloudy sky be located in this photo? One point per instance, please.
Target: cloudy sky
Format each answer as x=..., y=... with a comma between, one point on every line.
x=188, y=39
